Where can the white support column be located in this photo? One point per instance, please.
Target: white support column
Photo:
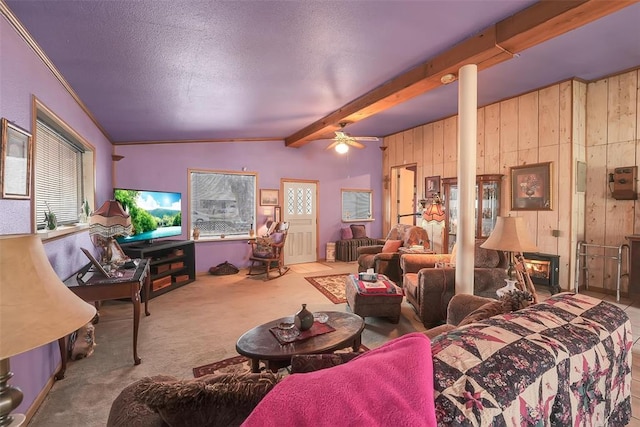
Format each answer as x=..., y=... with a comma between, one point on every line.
x=467, y=136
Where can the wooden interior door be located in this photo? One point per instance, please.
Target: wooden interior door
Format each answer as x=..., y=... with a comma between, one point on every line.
x=299, y=209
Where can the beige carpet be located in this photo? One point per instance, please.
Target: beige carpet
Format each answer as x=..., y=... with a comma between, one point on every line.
x=191, y=326
x=310, y=267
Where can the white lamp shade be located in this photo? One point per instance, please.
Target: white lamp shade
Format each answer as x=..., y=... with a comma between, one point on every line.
x=36, y=308
x=510, y=234
x=342, y=147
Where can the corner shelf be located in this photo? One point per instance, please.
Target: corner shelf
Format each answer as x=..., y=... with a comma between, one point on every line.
x=172, y=263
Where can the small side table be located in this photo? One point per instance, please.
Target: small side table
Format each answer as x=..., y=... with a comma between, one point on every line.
x=99, y=288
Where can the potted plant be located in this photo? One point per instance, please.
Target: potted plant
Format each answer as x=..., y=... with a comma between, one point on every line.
x=85, y=211
x=50, y=218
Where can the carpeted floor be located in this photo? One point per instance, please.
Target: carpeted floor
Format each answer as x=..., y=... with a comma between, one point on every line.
x=331, y=286
x=190, y=326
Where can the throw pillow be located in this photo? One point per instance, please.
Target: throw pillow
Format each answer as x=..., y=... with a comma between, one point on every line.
x=358, y=231
x=345, y=233
x=416, y=236
x=211, y=400
x=391, y=246
x=369, y=390
x=263, y=247
x=516, y=300
x=485, y=311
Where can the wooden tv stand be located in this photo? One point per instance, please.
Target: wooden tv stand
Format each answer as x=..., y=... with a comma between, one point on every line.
x=172, y=263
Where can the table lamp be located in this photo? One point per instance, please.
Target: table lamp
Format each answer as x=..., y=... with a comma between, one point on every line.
x=36, y=308
x=108, y=221
x=510, y=235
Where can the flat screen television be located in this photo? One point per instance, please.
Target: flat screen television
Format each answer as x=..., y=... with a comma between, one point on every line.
x=154, y=214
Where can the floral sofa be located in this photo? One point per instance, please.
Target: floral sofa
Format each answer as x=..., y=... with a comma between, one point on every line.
x=565, y=361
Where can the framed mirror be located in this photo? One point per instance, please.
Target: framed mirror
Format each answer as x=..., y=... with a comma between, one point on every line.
x=357, y=205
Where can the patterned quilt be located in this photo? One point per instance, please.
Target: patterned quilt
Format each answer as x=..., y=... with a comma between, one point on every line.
x=563, y=362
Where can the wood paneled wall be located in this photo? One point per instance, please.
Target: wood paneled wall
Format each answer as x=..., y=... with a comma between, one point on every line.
x=612, y=140
x=564, y=123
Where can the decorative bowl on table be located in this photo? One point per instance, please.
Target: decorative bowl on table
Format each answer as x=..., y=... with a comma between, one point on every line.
x=320, y=317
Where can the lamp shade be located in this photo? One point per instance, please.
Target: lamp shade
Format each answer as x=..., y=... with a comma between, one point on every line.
x=434, y=212
x=510, y=234
x=110, y=220
x=342, y=147
x=36, y=308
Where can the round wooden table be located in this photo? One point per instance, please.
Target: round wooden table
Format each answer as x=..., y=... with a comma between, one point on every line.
x=260, y=344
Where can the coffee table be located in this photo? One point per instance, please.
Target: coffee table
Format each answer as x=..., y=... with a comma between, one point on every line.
x=259, y=343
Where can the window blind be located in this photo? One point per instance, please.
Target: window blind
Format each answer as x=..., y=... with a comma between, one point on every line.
x=58, y=176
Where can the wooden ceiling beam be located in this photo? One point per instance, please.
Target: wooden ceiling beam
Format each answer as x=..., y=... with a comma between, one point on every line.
x=495, y=44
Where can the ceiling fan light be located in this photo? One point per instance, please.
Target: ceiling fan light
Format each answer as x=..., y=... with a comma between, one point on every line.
x=342, y=148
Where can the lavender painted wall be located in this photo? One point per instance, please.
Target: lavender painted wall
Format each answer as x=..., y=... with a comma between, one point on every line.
x=22, y=75
x=165, y=167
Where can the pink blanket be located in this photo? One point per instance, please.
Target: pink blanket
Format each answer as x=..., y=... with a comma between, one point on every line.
x=390, y=385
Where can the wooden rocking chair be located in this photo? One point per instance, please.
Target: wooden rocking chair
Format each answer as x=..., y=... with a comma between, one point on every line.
x=267, y=253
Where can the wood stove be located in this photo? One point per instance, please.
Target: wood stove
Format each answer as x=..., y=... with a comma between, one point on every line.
x=543, y=269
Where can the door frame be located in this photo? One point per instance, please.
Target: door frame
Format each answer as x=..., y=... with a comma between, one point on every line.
x=413, y=167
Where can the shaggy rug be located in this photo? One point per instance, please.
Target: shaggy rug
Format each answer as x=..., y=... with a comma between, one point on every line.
x=331, y=286
x=240, y=365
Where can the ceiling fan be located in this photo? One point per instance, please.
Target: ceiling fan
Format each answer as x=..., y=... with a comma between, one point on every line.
x=342, y=141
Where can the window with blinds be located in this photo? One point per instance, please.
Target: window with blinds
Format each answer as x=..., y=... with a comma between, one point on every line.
x=58, y=175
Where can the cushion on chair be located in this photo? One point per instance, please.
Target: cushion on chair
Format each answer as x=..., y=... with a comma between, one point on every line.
x=263, y=247
x=358, y=231
x=346, y=233
x=277, y=237
x=485, y=311
x=485, y=258
x=391, y=246
x=416, y=236
x=211, y=400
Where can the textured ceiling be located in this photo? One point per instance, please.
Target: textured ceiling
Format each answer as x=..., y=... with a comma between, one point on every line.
x=153, y=70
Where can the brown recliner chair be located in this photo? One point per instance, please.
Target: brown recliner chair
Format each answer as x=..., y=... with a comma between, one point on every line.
x=430, y=289
x=388, y=263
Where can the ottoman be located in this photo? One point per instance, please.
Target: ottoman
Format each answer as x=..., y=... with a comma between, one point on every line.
x=374, y=303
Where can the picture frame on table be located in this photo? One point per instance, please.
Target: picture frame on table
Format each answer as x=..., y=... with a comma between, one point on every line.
x=431, y=186
x=16, y=158
x=118, y=256
x=269, y=197
x=531, y=187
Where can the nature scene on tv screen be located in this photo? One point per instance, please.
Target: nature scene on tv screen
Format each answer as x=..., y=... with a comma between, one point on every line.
x=154, y=214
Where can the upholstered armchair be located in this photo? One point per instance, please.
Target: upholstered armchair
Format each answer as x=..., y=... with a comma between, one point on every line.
x=429, y=289
x=385, y=258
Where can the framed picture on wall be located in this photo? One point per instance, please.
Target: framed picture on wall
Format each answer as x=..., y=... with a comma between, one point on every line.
x=268, y=197
x=431, y=186
x=531, y=187
x=277, y=214
x=15, y=163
